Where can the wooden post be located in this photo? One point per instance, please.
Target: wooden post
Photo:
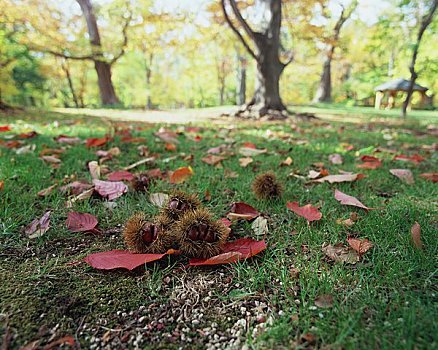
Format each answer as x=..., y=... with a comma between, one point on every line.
x=378, y=100
x=391, y=99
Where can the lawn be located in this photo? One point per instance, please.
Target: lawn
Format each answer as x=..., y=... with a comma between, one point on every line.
x=387, y=300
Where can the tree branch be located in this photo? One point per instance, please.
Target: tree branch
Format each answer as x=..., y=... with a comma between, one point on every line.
x=236, y=31
x=125, y=40
x=242, y=21
x=61, y=54
x=290, y=59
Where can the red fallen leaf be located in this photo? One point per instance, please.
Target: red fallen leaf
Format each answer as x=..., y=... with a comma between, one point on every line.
x=430, y=176
x=27, y=135
x=110, y=189
x=241, y=210
x=4, y=128
x=168, y=136
x=80, y=222
x=212, y=159
x=97, y=142
x=404, y=175
x=370, y=162
x=68, y=339
x=234, y=251
x=155, y=173
x=340, y=178
x=360, y=245
x=120, y=259
x=416, y=158
x=249, y=145
x=13, y=143
x=349, y=200
x=369, y=159
x=2, y=185
x=67, y=139
x=416, y=235
x=308, y=212
x=120, y=176
x=197, y=138
x=180, y=175
x=130, y=139
x=170, y=147
x=192, y=129
x=38, y=226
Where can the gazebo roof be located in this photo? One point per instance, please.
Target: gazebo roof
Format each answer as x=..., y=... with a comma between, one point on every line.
x=399, y=85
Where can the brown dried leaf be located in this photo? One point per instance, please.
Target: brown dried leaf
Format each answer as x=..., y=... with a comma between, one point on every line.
x=416, y=235
x=340, y=253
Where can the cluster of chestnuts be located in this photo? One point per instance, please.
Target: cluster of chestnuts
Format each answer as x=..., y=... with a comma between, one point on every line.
x=183, y=224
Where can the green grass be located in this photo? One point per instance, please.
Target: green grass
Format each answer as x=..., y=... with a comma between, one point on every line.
x=386, y=301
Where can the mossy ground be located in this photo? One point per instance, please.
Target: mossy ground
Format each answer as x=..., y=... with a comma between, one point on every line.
x=387, y=301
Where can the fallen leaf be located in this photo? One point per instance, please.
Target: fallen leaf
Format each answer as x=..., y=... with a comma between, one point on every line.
x=416, y=235
x=405, y=175
x=416, y=158
x=260, y=226
x=94, y=169
x=361, y=246
x=349, y=200
x=80, y=197
x=155, y=173
x=67, y=139
x=97, y=142
x=167, y=136
x=13, y=144
x=51, y=159
x=335, y=159
x=241, y=210
x=122, y=259
x=340, y=178
x=229, y=174
x=249, y=145
x=110, y=189
x=68, y=339
x=218, y=149
x=80, y=222
x=170, y=147
x=45, y=192
x=75, y=188
x=38, y=226
x=430, y=176
x=324, y=301
x=244, y=162
x=130, y=139
x=4, y=128
x=180, y=175
x=250, y=152
x=120, y=176
x=340, y=253
x=159, y=199
x=288, y=161
x=25, y=149
x=309, y=212
x=212, y=159
x=234, y=251
x=371, y=164
x=27, y=135
x=2, y=185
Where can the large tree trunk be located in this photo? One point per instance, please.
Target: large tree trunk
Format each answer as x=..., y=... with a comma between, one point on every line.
x=266, y=100
x=324, y=92
x=427, y=19
x=103, y=69
x=241, y=81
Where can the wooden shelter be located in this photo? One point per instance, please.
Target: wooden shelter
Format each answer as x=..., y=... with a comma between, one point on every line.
x=392, y=88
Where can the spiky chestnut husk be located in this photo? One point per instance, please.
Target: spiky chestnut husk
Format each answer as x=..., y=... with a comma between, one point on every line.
x=141, y=182
x=199, y=235
x=179, y=203
x=141, y=236
x=266, y=186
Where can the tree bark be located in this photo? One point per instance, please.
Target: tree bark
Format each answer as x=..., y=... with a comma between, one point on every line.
x=66, y=70
x=324, y=91
x=241, y=81
x=103, y=69
x=427, y=19
x=266, y=99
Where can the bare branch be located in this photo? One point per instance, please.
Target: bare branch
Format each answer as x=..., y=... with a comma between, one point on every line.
x=236, y=31
x=61, y=54
x=125, y=40
x=242, y=21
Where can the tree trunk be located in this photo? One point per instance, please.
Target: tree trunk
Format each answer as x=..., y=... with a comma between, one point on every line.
x=148, y=81
x=66, y=70
x=266, y=100
x=324, y=92
x=427, y=19
x=241, y=81
x=103, y=69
